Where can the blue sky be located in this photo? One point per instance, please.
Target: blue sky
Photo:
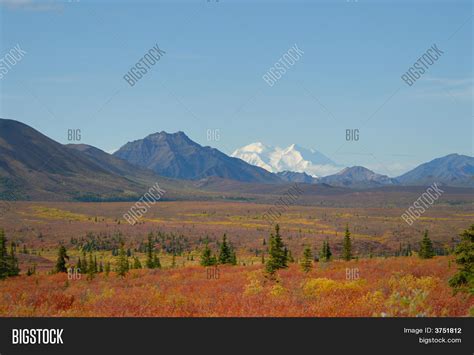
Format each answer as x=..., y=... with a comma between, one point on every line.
x=211, y=75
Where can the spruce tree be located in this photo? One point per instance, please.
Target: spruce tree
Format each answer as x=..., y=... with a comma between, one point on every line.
x=225, y=253
x=92, y=268
x=85, y=266
x=206, y=257
x=31, y=270
x=286, y=257
x=325, y=253
x=122, y=262
x=4, y=269
x=79, y=264
x=277, y=258
x=307, y=261
x=14, y=270
x=233, y=256
x=328, y=251
x=150, y=263
x=213, y=260
x=156, y=261
x=8, y=260
x=61, y=260
x=347, y=245
x=426, y=247
x=463, y=280
x=136, y=263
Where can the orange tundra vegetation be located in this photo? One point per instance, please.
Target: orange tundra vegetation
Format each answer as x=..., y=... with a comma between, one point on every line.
x=398, y=287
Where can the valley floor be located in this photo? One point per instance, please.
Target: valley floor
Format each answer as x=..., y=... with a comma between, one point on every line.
x=396, y=286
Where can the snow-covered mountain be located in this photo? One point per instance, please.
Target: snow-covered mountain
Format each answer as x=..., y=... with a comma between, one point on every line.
x=292, y=158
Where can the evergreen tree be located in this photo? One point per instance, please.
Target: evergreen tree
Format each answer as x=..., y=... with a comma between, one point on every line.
x=213, y=260
x=233, y=256
x=79, y=264
x=207, y=259
x=325, y=254
x=150, y=262
x=347, y=245
x=122, y=262
x=286, y=257
x=409, y=253
x=14, y=270
x=61, y=260
x=277, y=258
x=426, y=247
x=31, y=270
x=307, y=261
x=85, y=267
x=225, y=253
x=4, y=269
x=136, y=263
x=91, y=270
x=463, y=280
x=328, y=251
x=156, y=261
x=173, y=261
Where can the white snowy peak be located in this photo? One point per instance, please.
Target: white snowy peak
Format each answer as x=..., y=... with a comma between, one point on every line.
x=292, y=158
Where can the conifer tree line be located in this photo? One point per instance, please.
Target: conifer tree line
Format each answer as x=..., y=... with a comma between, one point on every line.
x=123, y=261
x=276, y=256
x=226, y=254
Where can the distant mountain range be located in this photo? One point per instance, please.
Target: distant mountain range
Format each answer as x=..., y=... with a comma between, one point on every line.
x=297, y=164
x=177, y=156
x=293, y=158
x=33, y=166
x=452, y=170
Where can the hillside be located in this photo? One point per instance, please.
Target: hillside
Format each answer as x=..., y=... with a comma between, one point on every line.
x=33, y=166
x=177, y=156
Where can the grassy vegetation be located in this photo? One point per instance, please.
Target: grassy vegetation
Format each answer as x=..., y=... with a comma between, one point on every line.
x=372, y=283
x=385, y=287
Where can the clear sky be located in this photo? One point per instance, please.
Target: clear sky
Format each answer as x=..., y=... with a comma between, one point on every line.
x=211, y=75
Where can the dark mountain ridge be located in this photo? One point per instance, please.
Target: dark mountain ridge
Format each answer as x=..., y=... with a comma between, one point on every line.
x=176, y=156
